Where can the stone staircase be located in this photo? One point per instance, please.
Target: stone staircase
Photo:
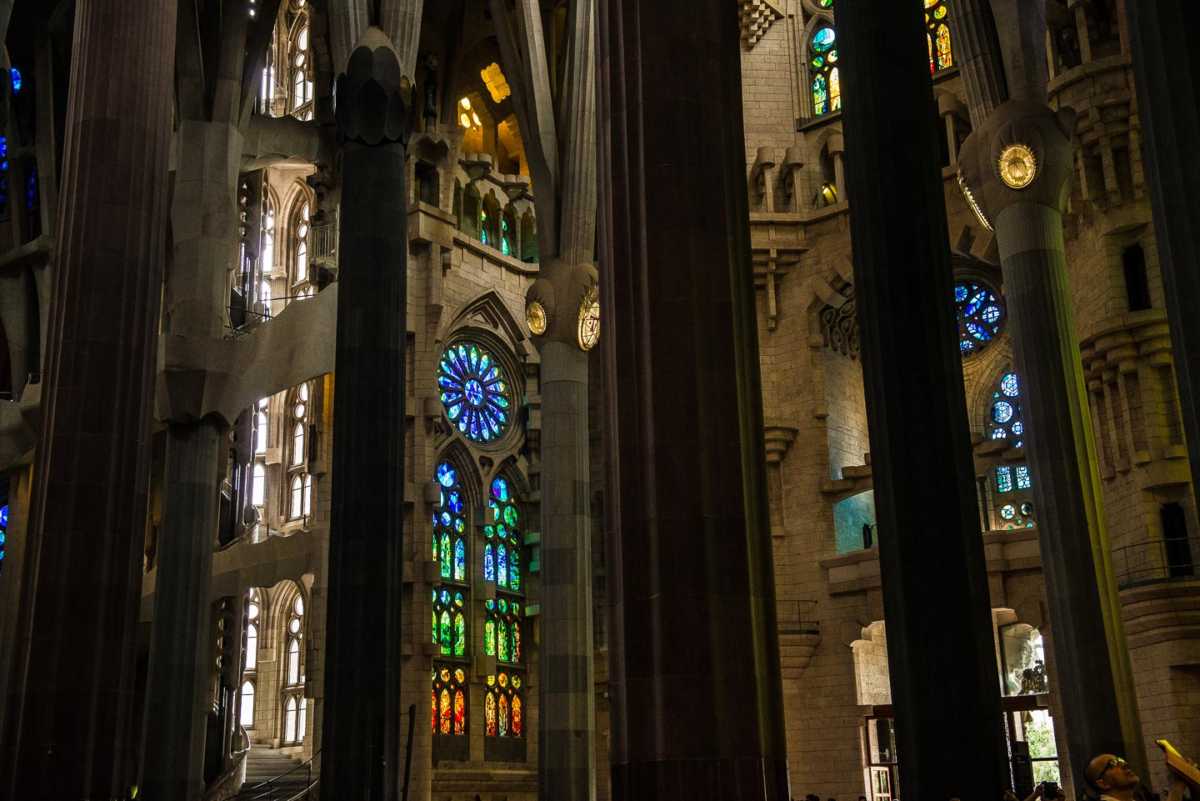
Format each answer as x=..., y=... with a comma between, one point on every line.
x=286, y=776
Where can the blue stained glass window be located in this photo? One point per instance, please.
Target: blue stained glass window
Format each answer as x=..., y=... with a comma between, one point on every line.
x=15, y=74
x=3, y=533
x=981, y=316
x=1004, y=481
x=489, y=563
x=446, y=475
x=1005, y=416
x=502, y=565
x=474, y=392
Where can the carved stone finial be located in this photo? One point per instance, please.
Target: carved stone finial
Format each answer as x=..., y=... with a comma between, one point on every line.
x=372, y=100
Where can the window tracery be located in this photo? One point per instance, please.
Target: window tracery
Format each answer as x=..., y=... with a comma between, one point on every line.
x=300, y=480
x=301, y=227
x=449, y=701
x=300, y=63
x=504, y=705
x=295, y=705
x=981, y=315
x=1011, y=484
x=474, y=393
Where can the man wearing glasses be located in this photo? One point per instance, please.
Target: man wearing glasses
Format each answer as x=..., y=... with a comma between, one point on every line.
x=1110, y=779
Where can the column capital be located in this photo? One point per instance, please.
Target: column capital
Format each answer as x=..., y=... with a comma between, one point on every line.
x=558, y=301
x=1021, y=154
x=373, y=94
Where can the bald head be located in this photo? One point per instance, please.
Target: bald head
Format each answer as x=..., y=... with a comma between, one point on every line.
x=1109, y=772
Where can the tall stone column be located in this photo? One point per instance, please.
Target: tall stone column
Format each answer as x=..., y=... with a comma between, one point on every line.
x=695, y=676
x=1168, y=83
x=204, y=224
x=67, y=728
x=1017, y=168
x=935, y=587
x=566, y=708
x=362, y=745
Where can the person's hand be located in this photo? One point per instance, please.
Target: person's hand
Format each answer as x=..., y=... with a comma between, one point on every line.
x=1037, y=793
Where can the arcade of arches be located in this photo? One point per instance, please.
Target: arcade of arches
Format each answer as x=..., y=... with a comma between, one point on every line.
x=365, y=411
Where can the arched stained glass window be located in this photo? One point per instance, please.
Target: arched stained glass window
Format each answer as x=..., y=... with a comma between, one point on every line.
x=822, y=62
x=474, y=392
x=937, y=33
x=3, y=533
x=449, y=622
x=450, y=526
x=503, y=535
x=502, y=630
x=504, y=706
x=981, y=316
x=1011, y=483
x=1004, y=415
x=448, y=704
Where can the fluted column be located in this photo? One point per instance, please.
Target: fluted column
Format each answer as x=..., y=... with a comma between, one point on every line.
x=1018, y=166
x=694, y=653
x=935, y=587
x=362, y=749
x=1167, y=67
x=977, y=54
x=68, y=729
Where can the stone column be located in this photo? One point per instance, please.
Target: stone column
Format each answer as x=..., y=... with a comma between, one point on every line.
x=694, y=653
x=204, y=223
x=362, y=742
x=977, y=53
x=67, y=728
x=1168, y=83
x=566, y=689
x=935, y=588
x=180, y=646
x=1017, y=167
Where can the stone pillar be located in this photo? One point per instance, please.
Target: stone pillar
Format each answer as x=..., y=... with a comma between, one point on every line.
x=1017, y=167
x=566, y=689
x=694, y=653
x=67, y=730
x=977, y=53
x=362, y=742
x=180, y=649
x=1168, y=90
x=204, y=223
x=935, y=588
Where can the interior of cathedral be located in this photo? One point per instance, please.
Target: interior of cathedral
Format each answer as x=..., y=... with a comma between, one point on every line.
x=575, y=400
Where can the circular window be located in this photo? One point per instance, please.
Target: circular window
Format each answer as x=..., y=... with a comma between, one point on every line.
x=980, y=316
x=474, y=392
x=1008, y=511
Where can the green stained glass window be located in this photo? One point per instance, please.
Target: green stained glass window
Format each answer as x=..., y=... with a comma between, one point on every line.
x=826, y=84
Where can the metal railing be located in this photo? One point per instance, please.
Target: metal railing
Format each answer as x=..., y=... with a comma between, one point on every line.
x=1156, y=561
x=269, y=790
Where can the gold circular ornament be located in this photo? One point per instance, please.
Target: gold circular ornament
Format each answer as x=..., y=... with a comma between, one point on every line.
x=1018, y=166
x=535, y=318
x=589, y=319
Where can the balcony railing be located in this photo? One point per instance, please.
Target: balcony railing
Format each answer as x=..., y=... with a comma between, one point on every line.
x=1154, y=562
